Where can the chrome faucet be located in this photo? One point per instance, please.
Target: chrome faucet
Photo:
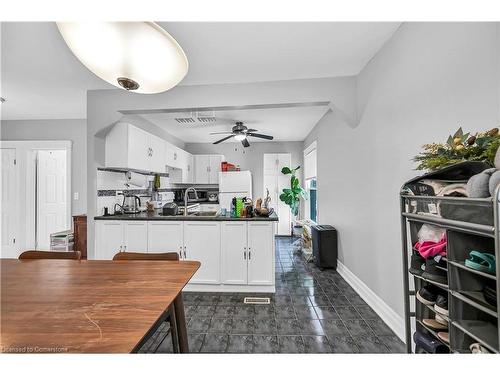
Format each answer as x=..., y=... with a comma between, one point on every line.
x=186, y=198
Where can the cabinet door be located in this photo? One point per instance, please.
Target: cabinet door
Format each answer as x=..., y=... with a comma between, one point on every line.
x=214, y=168
x=135, y=236
x=189, y=172
x=201, y=169
x=202, y=240
x=165, y=236
x=169, y=154
x=157, y=158
x=260, y=253
x=138, y=148
x=234, y=252
x=108, y=239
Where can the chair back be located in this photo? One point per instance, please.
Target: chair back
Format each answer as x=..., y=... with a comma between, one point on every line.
x=126, y=255
x=40, y=254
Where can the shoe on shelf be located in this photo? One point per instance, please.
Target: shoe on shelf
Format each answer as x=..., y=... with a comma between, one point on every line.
x=427, y=295
x=490, y=295
x=477, y=348
x=441, y=305
x=434, y=324
x=444, y=336
x=416, y=265
x=429, y=343
x=441, y=320
x=436, y=271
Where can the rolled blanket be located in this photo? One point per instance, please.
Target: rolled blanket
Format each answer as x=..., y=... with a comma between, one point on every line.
x=483, y=185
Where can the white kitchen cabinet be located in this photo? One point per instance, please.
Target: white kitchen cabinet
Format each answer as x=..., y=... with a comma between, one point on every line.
x=207, y=168
x=201, y=169
x=275, y=182
x=165, y=236
x=108, y=239
x=129, y=147
x=202, y=242
x=260, y=253
x=234, y=252
x=181, y=165
x=135, y=236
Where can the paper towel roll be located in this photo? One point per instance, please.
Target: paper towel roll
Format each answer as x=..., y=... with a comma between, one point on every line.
x=136, y=179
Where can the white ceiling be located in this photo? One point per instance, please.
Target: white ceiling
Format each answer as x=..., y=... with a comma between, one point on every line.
x=284, y=124
x=42, y=79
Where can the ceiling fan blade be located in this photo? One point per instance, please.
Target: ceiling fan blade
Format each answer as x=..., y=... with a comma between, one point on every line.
x=223, y=139
x=221, y=133
x=245, y=143
x=270, y=137
x=251, y=130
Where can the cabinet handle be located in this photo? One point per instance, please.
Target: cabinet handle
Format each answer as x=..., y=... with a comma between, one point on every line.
x=175, y=155
x=180, y=253
x=249, y=254
x=120, y=248
x=184, y=252
x=151, y=152
x=125, y=248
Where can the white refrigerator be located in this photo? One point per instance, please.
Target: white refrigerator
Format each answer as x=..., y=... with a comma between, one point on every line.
x=234, y=184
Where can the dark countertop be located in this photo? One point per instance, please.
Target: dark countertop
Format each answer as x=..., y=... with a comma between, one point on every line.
x=157, y=216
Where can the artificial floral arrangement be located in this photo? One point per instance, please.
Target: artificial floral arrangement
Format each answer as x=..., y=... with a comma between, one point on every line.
x=458, y=148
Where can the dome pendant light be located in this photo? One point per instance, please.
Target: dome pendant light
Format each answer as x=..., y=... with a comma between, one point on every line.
x=135, y=56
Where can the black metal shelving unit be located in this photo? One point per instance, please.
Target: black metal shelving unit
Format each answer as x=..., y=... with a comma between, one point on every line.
x=471, y=318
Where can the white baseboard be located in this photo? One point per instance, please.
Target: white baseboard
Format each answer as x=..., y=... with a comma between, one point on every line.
x=388, y=315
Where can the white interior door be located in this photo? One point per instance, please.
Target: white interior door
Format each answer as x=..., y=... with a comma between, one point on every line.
x=52, y=198
x=9, y=204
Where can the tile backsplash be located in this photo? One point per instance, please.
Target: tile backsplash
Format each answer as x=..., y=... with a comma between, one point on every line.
x=108, y=183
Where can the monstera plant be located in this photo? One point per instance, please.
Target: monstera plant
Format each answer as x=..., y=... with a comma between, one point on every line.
x=292, y=196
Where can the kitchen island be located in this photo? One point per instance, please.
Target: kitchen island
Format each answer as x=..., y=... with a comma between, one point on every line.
x=236, y=254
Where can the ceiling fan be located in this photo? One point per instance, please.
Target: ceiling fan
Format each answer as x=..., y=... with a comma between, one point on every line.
x=240, y=132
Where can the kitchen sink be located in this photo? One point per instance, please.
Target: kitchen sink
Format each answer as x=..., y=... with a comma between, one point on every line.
x=204, y=213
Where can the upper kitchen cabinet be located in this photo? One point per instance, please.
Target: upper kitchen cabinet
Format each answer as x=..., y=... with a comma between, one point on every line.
x=207, y=168
x=129, y=147
x=180, y=164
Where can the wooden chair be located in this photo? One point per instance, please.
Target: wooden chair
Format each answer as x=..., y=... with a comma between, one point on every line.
x=170, y=316
x=39, y=254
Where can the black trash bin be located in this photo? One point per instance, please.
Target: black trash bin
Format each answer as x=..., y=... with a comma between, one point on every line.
x=324, y=241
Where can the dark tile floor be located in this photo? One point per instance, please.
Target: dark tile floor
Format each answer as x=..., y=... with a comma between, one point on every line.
x=313, y=311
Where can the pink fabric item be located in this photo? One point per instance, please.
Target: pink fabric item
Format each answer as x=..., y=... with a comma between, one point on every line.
x=429, y=249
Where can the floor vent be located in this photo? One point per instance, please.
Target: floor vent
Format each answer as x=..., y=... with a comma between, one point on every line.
x=257, y=300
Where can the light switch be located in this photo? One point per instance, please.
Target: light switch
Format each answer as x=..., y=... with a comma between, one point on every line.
x=76, y=195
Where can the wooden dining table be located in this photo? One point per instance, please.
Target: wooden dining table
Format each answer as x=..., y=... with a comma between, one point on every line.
x=89, y=306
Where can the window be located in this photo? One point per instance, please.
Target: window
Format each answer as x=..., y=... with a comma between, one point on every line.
x=313, y=201
x=310, y=176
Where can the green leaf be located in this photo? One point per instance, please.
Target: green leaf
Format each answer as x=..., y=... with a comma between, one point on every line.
x=286, y=170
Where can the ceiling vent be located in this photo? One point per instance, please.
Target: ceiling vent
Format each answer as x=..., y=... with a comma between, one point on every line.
x=185, y=120
x=197, y=118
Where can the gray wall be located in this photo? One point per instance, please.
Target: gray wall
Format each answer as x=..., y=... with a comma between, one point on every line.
x=428, y=80
x=55, y=130
x=250, y=158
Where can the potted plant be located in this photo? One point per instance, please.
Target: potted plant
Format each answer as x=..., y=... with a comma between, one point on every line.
x=291, y=196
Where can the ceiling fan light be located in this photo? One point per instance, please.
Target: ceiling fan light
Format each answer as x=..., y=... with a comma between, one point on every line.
x=135, y=56
x=240, y=137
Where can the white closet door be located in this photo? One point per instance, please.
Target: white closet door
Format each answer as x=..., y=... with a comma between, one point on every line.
x=284, y=214
x=51, y=195
x=9, y=204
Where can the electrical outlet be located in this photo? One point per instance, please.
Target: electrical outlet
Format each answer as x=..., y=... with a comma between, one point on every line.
x=119, y=192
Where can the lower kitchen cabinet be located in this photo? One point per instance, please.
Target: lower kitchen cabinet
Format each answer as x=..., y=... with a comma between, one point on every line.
x=231, y=253
x=108, y=239
x=165, y=236
x=135, y=236
x=260, y=253
x=234, y=252
x=202, y=242
x=248, y=253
